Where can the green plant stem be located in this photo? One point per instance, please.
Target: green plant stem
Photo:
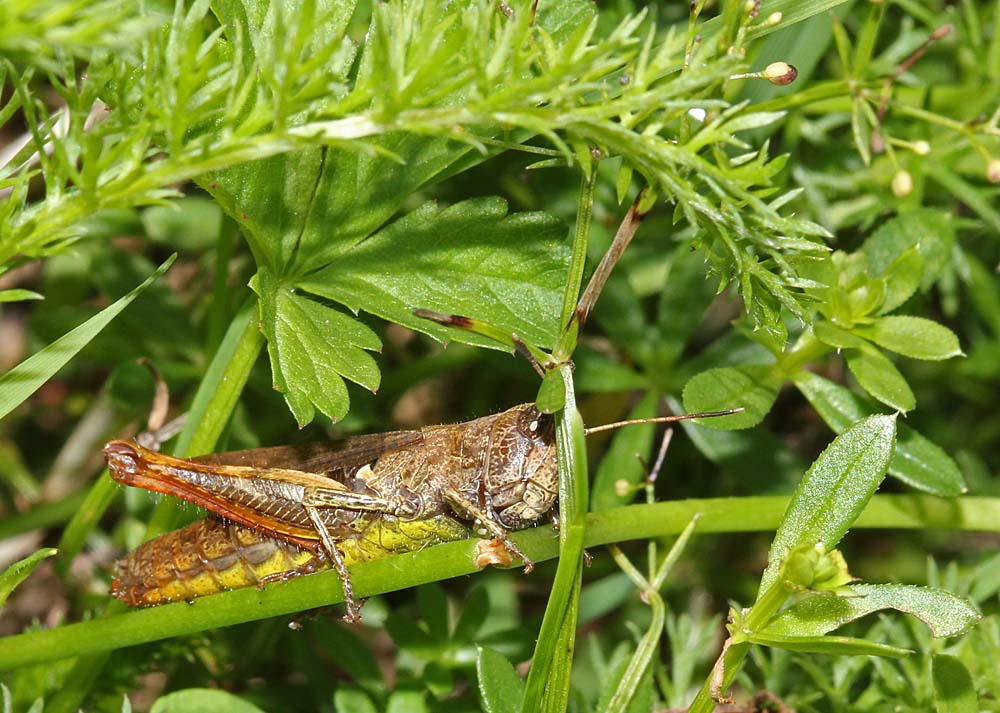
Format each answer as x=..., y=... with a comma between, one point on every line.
x=454, y=559
x=578, y=261
x=42, y=515
x=732, y=660
x=547, y=687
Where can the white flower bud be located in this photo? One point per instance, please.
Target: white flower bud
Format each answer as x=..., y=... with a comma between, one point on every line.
x=993, y=170
x=902, y=184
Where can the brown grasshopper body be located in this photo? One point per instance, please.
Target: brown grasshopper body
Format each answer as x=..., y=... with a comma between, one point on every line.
x=499, y=471
x=213, y=555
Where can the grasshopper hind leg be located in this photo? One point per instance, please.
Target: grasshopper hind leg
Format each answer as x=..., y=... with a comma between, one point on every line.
x=353, y=614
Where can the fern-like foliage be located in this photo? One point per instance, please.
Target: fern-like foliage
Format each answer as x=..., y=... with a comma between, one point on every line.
x=436, y=87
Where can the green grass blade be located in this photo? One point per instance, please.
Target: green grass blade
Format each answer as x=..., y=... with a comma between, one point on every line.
x=24, y=379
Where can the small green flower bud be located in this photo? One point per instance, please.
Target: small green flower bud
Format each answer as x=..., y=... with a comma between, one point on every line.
x=921, y=148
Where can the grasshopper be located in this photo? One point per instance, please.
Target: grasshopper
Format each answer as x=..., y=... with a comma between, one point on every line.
x=498, y=472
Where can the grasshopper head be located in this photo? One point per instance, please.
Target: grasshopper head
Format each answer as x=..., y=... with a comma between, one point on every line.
x=522, y=477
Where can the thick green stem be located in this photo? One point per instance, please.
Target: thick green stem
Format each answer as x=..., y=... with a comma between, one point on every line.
x=454, y=559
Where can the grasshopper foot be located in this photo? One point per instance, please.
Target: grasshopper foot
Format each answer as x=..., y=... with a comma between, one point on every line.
x=353, y=613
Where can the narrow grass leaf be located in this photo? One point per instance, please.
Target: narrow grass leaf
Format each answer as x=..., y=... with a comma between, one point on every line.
x=946, y=614
x=917, y=461
x=19, y=571
x=25, y=378
x=547, y=687
x=833, y=645
x=18, y=295
x=954, y=691
x=499, y=685
x=835, y=490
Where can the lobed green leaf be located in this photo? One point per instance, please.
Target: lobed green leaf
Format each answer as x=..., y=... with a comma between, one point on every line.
x=311, y=347
x=471, y=259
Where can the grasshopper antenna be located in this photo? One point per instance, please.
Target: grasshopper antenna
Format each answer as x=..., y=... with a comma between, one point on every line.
x=659, y=419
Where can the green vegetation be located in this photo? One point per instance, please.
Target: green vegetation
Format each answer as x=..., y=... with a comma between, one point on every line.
x=193, y=185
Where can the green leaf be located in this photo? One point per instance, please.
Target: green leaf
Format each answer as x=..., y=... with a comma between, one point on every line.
x=19, y=295
x=930, y=231
x=552, y=393
x=19, y=571
x=620, y=463
x=915, y=337
x=499, y=684
x=880, y=378
x=752, y=388
x=25, y=378
x=188, y=224
x=954, y=691
x=946, y=614
x=917, y=461
x=832, y=335
x=834, y=491
x=548, y=685
x=471, y=259
x=406, y=702
x=202, y=700
x=833, y=645
x=352, y=700
x=311, y=347
x=755, y=120
x=902, y=278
